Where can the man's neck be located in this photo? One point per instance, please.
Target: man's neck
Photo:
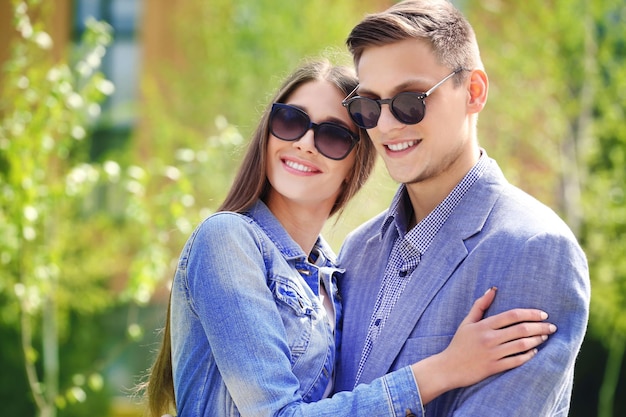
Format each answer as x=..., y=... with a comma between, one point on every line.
x=426, y=195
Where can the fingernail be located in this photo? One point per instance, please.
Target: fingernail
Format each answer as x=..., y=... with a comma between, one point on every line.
x=490, y=289
x=544, y=315
x=552, y=328
x=544, y=337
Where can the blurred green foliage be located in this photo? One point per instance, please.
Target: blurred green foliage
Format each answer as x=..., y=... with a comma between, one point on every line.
x=89, y=230
x=604, y=199
x=46, y=110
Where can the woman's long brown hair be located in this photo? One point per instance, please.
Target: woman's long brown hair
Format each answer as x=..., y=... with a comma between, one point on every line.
x=247, y=189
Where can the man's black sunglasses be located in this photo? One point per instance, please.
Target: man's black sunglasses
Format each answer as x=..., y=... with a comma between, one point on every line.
x=331, y=139
x=407, y=107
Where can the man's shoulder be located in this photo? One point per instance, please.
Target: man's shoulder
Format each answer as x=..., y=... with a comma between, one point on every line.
x=353, y=246
x=510, y=197
x=523, y=206
x=517, y=216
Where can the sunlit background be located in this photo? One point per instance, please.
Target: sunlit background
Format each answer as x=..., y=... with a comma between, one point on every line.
x=123, y=121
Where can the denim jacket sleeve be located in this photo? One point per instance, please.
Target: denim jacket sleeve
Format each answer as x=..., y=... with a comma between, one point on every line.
x=221, y=288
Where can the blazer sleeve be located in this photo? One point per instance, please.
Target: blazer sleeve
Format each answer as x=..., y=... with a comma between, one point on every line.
x=550, y=273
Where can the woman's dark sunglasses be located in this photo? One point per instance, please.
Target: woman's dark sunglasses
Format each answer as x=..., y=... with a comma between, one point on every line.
x=291, y=123
x=407, y=107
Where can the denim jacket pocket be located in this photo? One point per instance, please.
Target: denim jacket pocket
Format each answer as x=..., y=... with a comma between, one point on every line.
x=297, y=312
x=291, y=294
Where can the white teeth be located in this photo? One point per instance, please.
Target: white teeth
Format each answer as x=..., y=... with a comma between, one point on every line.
x=401, y=146
x=298, y=167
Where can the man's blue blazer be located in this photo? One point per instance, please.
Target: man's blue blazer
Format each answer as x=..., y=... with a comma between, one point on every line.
x=496, y=236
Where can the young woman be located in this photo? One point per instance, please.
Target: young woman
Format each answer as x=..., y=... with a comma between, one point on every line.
x=254, y=310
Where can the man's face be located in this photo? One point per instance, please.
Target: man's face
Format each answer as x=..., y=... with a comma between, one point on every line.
x=440, y=147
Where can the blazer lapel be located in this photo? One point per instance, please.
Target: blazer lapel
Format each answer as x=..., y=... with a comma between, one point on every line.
x=444, y=255
x=426, y=281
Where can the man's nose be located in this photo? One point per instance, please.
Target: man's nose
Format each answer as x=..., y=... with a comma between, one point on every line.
x=387, y=121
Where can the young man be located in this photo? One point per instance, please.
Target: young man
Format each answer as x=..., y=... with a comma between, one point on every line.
x=455, y=226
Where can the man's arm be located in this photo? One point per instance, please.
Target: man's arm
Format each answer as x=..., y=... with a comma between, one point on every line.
x=550, y=272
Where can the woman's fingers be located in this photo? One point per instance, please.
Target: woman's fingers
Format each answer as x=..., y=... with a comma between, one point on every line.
x=479, y=307
x=514, y=353
x=510, y=362
x=513, y=332
x=516, y=315
x=520, y=346
x=522, y=336
x=500, y=342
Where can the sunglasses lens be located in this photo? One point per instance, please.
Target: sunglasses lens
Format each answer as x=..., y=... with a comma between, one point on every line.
x=408, y=108
x=287, y=123
x=364, y=112
x=333, y=141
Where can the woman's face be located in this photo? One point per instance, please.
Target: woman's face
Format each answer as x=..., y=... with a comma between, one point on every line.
x=296, y=170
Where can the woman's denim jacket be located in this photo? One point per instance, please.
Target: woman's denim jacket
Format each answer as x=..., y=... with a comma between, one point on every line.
x=250, y=336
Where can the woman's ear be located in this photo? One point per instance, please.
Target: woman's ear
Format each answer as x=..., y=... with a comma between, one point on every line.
x=478, y=90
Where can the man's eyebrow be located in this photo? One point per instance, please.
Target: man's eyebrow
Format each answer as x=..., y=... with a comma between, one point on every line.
x=408, y=85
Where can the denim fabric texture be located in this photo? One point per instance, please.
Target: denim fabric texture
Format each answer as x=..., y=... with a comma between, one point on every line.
x=250, y=336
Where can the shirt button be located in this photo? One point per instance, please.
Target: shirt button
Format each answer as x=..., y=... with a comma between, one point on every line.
x=402, y=273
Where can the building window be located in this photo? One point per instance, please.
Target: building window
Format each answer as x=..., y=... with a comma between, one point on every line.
x=121, y=65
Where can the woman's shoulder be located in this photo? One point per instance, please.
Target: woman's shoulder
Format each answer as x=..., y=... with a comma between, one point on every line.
x=225, y=218
x=225, y=226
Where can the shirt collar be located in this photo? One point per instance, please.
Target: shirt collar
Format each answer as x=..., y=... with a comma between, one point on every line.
x=400, y=208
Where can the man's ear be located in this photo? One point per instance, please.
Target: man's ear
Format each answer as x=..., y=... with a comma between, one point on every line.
x=478, y=90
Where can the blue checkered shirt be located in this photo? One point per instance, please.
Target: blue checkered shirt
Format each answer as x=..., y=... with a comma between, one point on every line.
x=408, y=249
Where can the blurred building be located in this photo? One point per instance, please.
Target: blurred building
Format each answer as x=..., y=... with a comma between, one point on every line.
x=140, y=36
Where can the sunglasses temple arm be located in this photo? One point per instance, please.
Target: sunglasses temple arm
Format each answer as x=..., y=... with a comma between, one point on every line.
x=352, y=93
x=434, y=87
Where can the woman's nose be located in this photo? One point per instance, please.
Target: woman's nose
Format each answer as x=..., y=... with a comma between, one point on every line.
x=307, y=142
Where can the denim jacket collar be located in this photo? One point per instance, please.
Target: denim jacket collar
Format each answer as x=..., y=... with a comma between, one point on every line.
x=265, y=219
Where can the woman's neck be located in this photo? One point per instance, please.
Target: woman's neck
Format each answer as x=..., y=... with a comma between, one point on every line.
x=301, y=221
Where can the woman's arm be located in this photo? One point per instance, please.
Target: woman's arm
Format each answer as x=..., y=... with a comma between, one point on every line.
x=228, y=293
